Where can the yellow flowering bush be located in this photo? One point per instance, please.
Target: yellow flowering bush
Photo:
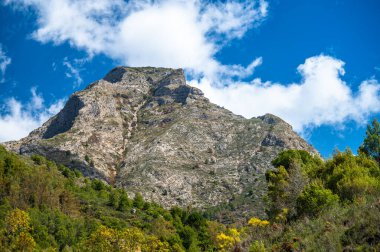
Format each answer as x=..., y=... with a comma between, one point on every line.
x=24, y=242
x=17, y=221
x=228, y=241
x=256, y=222
x=126, y=240
x=18, y=228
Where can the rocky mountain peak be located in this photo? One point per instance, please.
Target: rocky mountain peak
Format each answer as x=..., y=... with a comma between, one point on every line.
x=271, y=119
x=163, y=85
x=154, y=76
x=146, y=130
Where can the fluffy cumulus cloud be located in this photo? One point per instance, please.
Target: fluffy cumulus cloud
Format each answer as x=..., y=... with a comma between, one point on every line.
x=322, y=97
x=4, y=62
x=20, y=118
x=166, y=33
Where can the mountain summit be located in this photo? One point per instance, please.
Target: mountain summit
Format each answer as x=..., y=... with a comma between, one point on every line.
x=146, y=130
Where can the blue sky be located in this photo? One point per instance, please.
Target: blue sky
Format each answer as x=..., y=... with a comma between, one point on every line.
x=314, y=63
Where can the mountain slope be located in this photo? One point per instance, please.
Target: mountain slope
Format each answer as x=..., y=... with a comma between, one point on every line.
x=146, y=130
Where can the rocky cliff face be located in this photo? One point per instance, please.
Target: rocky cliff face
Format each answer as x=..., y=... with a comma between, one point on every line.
x=146, y=130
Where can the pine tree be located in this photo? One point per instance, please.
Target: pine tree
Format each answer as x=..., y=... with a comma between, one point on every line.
x=371, y=144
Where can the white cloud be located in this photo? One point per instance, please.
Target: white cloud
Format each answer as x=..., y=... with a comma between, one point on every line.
x=189, y=34
x=4, y=62
x=73, y=70
x=322, y=97
x=20, y=119
x=229, y=71
x=166, y=33
x=36, y=101
x=233, y=19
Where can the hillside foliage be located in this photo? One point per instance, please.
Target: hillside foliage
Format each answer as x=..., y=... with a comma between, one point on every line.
x=312, y=205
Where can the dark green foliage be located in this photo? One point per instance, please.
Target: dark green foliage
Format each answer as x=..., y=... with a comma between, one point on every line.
x=114, y=199
x=371, y=144
x=54, y=227
x=189, y=237
x=138, y=201
x=195, y=220
x=98, y=185
x=124, y=202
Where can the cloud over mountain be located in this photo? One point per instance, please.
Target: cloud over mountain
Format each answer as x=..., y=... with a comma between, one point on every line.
x=322, y=97
x=164, y=33
x=190, y=34
x=20, y=118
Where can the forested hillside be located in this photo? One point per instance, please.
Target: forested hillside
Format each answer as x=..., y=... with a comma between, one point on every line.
x=312, y=205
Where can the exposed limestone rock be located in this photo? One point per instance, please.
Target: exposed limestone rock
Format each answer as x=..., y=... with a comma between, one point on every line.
x=146, y=130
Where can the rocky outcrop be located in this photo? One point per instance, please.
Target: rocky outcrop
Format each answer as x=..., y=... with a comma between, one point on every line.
x=146, y=130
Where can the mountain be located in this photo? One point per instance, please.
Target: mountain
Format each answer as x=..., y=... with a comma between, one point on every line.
x=146, y=130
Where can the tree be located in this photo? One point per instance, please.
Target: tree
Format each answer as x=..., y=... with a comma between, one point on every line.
x=114, y=198
x=124, y=202
x=295, y=170
x=189, y=237
x=128, y=240
x=103, y=239
x=138, y=201
x=314, y=199
x=351, y=176
x=18, y=228
x=229, y=241
x=284, y=186
x=371, y=144
x=17, y=221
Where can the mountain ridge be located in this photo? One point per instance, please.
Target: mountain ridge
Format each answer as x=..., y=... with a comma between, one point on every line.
x=146, y=130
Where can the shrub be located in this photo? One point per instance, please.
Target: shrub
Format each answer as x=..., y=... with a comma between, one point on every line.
x=351, y=176
x=314, y=199
x=256, y=222
x=138, y=201
x=257, y=246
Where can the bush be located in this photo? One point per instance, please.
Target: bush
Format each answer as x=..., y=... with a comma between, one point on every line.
x=351, y=176
x=257, y=246
x=314, y=199
x=371, y=144
x=138, y=201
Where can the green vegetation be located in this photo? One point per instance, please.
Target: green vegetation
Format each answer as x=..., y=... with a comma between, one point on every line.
x=48, y=207
x=312, y=205
x=332, y=205
x=371, y=145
